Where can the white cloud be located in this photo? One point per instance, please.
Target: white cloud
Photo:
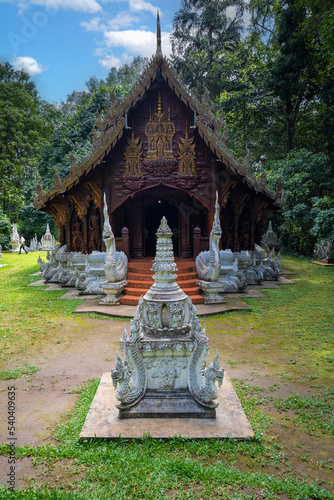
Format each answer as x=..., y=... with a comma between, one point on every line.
x=122, y=20
x=138, y=42
x=29, y=65
x=111, y=61
x=141, y=5
x=92, y=25
x=99, y=52
x=90, y=6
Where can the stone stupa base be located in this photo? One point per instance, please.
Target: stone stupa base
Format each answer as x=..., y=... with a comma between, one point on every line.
x=168, y=404
x=103, y=422
x=113, y=293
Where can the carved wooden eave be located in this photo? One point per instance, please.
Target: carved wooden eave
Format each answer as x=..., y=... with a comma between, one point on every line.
x=112, y=127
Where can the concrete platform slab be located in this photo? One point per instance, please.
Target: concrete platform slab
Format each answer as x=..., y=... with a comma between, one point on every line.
x=102, y=421
x=232, y=303
x=49, y=286
x=285, y=271
x=321, y=263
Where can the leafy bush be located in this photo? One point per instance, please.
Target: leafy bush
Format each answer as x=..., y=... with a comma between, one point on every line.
x=308, y=214
x=32, y=222
x=5, y=230
x=323, y=214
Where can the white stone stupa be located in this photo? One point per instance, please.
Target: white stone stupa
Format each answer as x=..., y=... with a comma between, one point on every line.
x=165, y=374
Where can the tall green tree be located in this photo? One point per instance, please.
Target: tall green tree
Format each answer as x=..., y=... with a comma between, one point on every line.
x=122, y=79
x=74, y=134
x=308, y=214
x=301, y=75
x=26, y=126
x=202, y=28
x=247, y=102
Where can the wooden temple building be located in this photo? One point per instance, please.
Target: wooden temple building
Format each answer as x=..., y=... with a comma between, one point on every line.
x=159, y=152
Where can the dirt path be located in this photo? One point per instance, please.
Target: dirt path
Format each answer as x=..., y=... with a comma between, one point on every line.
x=85, y=348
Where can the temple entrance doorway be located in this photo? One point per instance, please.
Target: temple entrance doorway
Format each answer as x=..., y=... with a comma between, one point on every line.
x=152, y=219
x=142, y=215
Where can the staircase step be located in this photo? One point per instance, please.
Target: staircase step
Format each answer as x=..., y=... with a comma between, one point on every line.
x=149, y=277
x=140, y=279
x=147, y=270
x=130, y=300
x=137, y=292
x=139, y=283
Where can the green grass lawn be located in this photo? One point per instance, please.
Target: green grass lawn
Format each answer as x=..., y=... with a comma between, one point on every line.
x=281, y=360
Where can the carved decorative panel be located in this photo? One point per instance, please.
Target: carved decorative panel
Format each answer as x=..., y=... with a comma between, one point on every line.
x=133, y=157
x=96, y=192
x=160, y=132
x=80, y=200
x=187, y=155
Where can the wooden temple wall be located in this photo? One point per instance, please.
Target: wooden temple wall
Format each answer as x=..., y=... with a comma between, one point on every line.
x=160, y=166
x=242, y=218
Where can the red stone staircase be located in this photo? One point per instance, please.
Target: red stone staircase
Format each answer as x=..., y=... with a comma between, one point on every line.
x=140, y=280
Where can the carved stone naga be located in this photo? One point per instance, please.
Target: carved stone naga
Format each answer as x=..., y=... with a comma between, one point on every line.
x=116, y=263
x=271, y=270
x=234, y=281
x=202, y=379
x=208, y=263
x=130, y=377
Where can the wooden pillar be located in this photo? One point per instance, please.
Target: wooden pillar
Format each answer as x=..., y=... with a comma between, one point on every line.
x=210, y=218
x=236, y=219
x=85, y=233
x=125, y=241
x=137, y=228
x=252, y=231
x=186, y=250
x=68, y=234
x=197, y=242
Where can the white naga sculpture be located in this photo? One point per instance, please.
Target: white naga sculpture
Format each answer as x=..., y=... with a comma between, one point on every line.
x=116, y=263
x=208, y=263
x=217, y=276
x=164, y=373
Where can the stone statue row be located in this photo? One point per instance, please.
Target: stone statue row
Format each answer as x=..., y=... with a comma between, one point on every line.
x=47, y=241
x=325, y=252
x=98, y=273
x=224, y=271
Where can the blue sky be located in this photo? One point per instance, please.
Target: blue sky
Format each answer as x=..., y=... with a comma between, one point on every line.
x=62, y=43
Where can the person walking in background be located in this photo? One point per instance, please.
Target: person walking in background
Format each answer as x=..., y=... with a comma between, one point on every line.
x=22, y=242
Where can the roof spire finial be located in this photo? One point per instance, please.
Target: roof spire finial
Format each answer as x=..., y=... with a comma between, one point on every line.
x=158, y=53
x=159, y=105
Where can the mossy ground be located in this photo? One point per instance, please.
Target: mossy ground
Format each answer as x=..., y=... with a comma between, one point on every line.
x=281, y=359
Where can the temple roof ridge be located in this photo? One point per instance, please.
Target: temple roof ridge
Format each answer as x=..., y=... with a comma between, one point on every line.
x=158, y=53
x=114, y=122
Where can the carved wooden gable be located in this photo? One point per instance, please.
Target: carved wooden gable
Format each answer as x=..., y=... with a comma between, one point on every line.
x=160, y=132
x=187, y=155
x=133, y=156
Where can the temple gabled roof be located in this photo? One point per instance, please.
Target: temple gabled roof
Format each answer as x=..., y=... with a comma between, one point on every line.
x=111, y=127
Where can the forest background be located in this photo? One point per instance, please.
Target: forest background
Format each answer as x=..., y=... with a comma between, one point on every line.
x=272, y=83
